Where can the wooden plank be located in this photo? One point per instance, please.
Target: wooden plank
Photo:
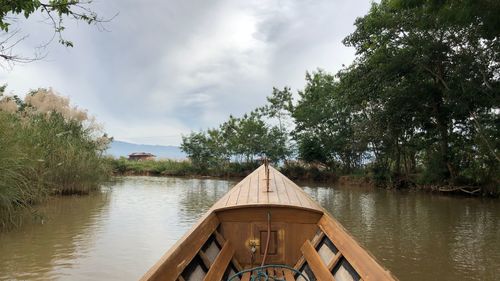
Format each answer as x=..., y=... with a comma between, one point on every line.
x=292, y=195
x=334, y=261
x=299, y=263
x=216, y=272
x=280, y=189
x=254, y=214
x=273, y=195
x=317, y=239
x=279, y=273
x=204, y=259
x=270, y=271
x=246, y=276
x=360, y=259
x=315, y=263
x=244, y=193
x=171, y=264
x=253, y=194
x=288, y=275
x=263, y=195
x=233, y=198
x=220, y=239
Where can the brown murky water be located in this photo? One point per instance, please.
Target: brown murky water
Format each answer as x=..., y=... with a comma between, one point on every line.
x=117, y=234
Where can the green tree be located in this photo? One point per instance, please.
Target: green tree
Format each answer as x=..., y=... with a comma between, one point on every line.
x=428, y=71
x=325, y=124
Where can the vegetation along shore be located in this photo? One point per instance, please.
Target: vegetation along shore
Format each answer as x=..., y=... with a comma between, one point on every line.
x=419, y=106
x=48, y=148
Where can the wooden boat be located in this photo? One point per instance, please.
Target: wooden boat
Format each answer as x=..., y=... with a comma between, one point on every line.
x=267, y=228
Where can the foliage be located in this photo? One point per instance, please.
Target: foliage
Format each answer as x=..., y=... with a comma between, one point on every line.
x=55, y=11
x=419, y=105
x=244, y=139
x=45, y=151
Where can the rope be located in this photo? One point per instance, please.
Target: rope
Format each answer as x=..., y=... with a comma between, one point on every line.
x=261, y=273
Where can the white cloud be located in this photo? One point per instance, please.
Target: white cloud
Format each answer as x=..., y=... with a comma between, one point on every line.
x=168, y=67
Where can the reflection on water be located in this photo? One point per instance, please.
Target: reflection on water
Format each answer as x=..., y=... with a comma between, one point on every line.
x=420, y=236
x=119, y=233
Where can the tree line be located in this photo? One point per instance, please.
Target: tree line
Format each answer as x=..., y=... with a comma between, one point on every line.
x=419, y=104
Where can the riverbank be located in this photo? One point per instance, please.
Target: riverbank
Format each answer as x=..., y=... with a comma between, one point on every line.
x=124, y=167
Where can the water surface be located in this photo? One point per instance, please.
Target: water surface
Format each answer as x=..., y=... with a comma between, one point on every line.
x=118, y=233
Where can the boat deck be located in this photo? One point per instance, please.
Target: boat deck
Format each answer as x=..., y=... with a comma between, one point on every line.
x=253, y=190
x=267, y=219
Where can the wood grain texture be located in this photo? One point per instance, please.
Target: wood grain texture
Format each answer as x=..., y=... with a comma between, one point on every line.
x=315, y=263
x=246, y=276
x=171, y=265
x=360, y=259
x=252, y=190
x=216, y=272
x=288, y=275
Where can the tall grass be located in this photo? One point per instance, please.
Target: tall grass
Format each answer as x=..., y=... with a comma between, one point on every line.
x=43, y=154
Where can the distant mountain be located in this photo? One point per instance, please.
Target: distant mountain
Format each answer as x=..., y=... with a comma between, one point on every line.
x=121, y=148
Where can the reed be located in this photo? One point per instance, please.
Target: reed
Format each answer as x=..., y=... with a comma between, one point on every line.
x=46, y=153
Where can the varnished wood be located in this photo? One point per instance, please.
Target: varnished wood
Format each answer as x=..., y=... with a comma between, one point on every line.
x=246, y=276
x=279, y=273
x=359, y=258
x=204, y=259
x=253, y=191
x=315, y=263
x=288, y=275
x=171, y=265
x=220, y=264
x=334, y=261
x=240, y=217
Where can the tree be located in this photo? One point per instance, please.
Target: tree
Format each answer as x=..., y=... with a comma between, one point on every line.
x=55, y=12
x=429, y=72
x=325, y=124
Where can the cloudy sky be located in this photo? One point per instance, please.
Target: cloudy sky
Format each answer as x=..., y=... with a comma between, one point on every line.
x=163, y=68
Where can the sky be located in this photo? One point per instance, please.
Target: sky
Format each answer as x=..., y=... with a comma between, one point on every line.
x=161, y=69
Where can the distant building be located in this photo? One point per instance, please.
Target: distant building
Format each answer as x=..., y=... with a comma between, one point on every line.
x=141, y=156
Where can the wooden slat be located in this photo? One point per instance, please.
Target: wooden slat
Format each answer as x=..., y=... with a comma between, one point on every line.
x=360, y=259
x=253, y=194
x=244, y=194
x=270, y=271
x=252, y=191
x=204, y=259
x=334, y=261
x=273, y=194
x=315, y=263
x=220, y=264
x=317, y=239
x=279, y=273
x=246, y=276
x=280, y=189
x=220, y=239
x=288, y=275
x=233, y=198
x=171, y=265
x=264, y=196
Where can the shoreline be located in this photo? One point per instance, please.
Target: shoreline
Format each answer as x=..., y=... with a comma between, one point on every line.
x=347, y=180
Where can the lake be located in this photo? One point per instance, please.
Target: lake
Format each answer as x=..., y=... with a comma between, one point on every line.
x=119, y=232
